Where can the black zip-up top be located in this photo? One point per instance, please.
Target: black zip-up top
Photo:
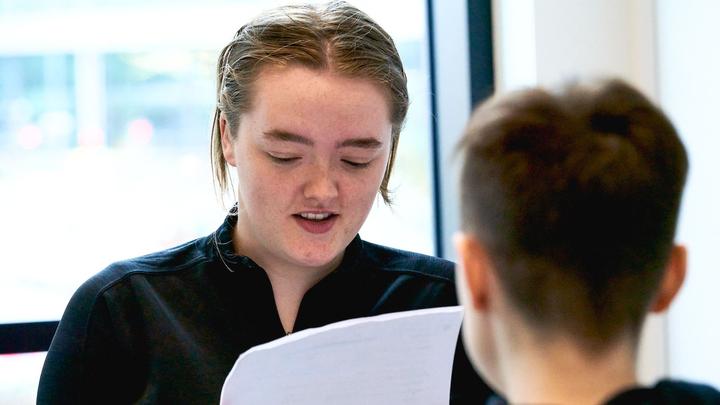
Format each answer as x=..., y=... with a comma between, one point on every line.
x=167, y=328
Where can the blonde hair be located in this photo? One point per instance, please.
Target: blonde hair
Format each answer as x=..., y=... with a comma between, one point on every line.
x=335, y=36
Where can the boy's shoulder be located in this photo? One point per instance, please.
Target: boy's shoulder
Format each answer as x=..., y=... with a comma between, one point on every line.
x=670, y=392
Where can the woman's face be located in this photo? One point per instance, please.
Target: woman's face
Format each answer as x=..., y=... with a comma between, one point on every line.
x=310, y=156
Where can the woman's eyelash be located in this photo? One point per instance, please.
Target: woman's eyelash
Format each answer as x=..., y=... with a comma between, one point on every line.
x=286, y=160
x=279, y=159
x=358, y=165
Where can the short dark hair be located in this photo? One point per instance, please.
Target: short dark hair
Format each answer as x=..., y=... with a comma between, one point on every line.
x=575, y=194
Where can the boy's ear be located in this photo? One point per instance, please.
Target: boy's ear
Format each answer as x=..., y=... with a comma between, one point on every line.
x=474, y=265
x=226, y=140
x=672, y=280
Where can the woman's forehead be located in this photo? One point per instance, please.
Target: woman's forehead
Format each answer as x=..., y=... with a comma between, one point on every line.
x=306, y=102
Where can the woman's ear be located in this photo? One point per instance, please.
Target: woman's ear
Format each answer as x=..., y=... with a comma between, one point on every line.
x=672, y=280
x=226, y=140
x=472, y=272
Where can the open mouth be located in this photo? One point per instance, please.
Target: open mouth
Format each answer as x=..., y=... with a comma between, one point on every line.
x=315, y=216
x=316, y=222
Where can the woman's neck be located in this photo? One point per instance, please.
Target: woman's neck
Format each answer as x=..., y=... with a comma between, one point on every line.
x=288, y=293
x=289, y=282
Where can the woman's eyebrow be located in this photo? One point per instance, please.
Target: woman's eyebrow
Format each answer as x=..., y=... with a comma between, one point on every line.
x=285, y=136
x=365, y=143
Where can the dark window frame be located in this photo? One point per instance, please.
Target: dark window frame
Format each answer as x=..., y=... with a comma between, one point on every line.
x=26, y=337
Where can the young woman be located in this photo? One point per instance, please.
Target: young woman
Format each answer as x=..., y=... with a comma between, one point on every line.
x=310, y=105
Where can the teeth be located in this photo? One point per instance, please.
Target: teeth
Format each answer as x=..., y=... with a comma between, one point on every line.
x=314, y=216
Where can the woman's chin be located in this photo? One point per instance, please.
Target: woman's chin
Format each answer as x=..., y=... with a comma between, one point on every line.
x=319, y=260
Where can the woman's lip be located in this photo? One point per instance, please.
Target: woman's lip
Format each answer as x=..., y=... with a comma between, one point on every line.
x=316, y=212
x=316, y=227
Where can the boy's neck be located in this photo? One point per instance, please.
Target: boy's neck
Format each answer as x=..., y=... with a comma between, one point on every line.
x=560, y=372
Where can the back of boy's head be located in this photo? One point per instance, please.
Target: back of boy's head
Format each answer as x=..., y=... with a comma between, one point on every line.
x=575, y=195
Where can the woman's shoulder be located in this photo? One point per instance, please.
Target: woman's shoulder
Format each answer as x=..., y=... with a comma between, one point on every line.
x=391, y=259
x=170, y=261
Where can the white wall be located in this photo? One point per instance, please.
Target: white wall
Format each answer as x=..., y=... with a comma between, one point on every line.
x=545, y=42
x=689, y=89
x=548, y=41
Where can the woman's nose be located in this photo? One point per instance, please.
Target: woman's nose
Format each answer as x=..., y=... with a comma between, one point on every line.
x=320, y=185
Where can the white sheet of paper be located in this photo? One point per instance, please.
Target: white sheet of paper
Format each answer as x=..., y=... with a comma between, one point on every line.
x=397, y=358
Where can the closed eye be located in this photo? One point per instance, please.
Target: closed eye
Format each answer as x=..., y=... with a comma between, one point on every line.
x=354, y=164
x=282, y=160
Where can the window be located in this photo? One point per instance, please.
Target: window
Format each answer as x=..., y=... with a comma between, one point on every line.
x=104, y=143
